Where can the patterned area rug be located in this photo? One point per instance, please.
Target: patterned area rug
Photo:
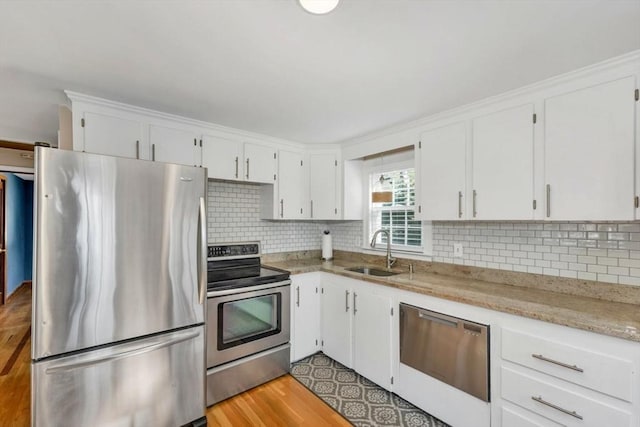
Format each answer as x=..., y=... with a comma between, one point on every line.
x=359, y=400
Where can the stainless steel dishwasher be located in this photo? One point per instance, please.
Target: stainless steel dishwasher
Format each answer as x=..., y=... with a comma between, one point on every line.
x=453, y=350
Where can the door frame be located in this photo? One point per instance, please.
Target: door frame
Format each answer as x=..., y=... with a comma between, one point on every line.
x=3, y=207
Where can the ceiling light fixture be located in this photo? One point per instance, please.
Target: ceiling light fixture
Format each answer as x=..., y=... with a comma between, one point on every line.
x=318, y=7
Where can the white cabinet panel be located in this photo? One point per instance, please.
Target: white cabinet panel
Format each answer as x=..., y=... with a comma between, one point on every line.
x=222, y=157
x=589, y=153
x=305, y=303
x=336, y=322
x=372, y=336
x=503, y=165
x=323, y=178
x=113, y=136
x=171, y=145
x=559, y=404
x=442, y=173
x=292, y=186
x=604, y=373
x=259, y=163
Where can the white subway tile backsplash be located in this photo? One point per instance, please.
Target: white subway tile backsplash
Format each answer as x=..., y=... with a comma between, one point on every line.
x=607, y=252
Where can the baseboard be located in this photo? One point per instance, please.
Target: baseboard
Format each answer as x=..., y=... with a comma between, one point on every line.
x=23, y=285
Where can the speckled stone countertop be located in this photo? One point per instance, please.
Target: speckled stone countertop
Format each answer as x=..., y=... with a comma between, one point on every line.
x=617, y=319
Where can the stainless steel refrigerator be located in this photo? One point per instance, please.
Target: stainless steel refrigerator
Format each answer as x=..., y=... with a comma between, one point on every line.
x=119, y=292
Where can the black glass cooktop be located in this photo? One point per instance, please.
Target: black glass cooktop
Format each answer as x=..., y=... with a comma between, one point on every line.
x=238, y=273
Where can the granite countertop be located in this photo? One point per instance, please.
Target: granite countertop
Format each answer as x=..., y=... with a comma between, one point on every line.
x=615, y=319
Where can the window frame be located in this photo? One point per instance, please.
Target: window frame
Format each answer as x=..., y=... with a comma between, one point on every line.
x=376, y=167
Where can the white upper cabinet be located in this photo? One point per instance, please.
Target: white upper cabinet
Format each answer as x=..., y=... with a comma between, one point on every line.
x=292, y=186
x=259, y=163
x=170, y=145
x=503, y=165
x=222, y=157
x=589, y=153
x=112, y=135
x=442, y=172
x=323, y=186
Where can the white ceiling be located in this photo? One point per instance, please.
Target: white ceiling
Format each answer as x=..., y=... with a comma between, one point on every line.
x=267, y=66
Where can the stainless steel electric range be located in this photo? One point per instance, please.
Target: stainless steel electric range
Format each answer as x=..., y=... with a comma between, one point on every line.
x=248, y=320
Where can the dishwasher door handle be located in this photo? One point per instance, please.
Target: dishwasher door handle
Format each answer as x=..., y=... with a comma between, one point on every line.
x=436, y=319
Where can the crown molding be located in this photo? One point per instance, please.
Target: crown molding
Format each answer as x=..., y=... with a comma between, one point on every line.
x=80, y=97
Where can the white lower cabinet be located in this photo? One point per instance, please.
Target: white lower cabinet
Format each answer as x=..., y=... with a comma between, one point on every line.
x=568, y=376
x=305, y=315
x=336, y=320
x=541, y=374
x=356, y=327
x=372, y=336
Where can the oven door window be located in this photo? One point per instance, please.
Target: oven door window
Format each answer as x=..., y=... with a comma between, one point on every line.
x=245, y=320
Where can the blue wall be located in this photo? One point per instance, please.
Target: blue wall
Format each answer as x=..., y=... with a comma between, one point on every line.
x=19, y=212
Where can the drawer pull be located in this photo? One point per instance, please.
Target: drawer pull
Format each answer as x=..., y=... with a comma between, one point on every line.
x=539, y=399
x=555, y=362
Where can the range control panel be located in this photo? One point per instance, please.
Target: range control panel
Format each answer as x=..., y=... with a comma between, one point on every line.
x=235, y=250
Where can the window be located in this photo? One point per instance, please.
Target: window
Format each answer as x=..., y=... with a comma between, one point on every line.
x=392, y=207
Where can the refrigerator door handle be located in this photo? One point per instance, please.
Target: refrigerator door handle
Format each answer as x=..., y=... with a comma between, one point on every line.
x=136, y=350
x=202, y=251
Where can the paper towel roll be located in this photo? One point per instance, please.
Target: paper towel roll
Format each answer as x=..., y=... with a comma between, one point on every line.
x=327, y=246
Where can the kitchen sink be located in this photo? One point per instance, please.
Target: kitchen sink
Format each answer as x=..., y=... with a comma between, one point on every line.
x=372, y=271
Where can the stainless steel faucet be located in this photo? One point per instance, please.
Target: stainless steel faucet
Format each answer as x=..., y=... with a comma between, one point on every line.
x=390, y=260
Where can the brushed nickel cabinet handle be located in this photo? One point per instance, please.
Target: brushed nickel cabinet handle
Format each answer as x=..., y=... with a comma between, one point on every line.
x=548, y=200
x=539, y=399
x=153, y=152
x=346, y=301
x=137, y=149
x=298, y=296
x=247, y=168
x=236, y=166
x=281, y=208
x=555, y=362
x=475, y=196
x=312, y=209
x=459, y=204
x=355, y=310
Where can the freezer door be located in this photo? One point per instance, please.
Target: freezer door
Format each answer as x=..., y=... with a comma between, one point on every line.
x=117, y=249
x=157, y=381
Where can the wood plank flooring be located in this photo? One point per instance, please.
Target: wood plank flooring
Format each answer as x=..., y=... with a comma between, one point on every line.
x=281, y=402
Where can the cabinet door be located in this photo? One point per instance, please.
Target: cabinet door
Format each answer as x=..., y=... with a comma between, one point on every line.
x=259, y=163
x=291, y=185
x=589, y=153
x=336, y=322
x=170, y=145
x=306, y=315
x=372, y=337
x=442, y=173
x=323, y=172
x=503, y=165
x=113, y=136
x=222, y=157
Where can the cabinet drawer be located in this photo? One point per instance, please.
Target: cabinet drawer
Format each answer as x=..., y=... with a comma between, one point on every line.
x=511, y=418
x=558, y=404
x=600, y=372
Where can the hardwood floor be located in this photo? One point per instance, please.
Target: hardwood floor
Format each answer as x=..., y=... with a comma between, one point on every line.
x=15, y=359
x=281, y=402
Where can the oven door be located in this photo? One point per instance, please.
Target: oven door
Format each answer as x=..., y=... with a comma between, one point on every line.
x=245, y=321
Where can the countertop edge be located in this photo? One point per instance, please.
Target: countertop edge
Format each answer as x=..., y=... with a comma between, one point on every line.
x=537, y=311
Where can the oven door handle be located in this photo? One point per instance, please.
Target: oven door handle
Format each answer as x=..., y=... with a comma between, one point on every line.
x=236, y=291
x=202, y=250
